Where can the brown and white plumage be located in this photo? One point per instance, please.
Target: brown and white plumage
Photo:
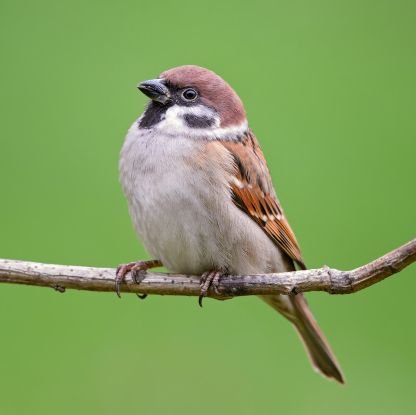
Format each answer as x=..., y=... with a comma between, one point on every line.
x=253, y=192
x=200, y=193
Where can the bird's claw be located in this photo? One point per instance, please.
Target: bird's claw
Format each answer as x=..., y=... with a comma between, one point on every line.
x=209, y=279
x=121, y=272
x=138, y=272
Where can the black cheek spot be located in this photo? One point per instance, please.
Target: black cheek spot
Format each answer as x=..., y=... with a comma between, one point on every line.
x=195, y=121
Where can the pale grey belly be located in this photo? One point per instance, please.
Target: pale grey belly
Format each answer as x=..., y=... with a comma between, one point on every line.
x=192, y=231
x=175, y=230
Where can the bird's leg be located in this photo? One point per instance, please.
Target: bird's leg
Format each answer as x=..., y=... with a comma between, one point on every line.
x=138, y=270
x=210, y=279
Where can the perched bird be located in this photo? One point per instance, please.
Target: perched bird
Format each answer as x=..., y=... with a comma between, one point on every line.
x=201, y=197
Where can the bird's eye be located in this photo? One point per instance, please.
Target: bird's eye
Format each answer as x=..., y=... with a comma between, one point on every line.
x=189, y=94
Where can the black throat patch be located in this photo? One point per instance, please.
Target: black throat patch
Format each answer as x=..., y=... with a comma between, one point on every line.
x=153, y=114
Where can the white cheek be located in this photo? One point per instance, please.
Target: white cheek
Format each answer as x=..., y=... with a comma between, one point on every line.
x=172, y=119
x=173, y=124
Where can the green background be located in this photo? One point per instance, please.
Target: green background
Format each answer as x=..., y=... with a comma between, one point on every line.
x=329, y=87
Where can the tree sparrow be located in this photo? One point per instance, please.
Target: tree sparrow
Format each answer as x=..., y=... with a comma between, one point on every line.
x=201, y=197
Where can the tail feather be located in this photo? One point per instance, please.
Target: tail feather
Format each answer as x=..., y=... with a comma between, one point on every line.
x=295, y=309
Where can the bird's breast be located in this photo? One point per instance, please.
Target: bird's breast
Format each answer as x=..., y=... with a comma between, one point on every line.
x=180, y=202
x=174, y=188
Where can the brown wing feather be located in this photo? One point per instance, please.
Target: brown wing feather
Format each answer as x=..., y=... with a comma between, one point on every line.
x=253, y=192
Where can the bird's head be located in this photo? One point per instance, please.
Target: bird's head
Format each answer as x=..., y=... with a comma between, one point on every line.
x=193, y=101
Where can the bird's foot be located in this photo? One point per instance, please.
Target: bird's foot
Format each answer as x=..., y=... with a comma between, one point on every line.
x=138, y=271
x=210, y=279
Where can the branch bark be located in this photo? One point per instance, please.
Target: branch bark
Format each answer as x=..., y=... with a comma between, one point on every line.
x=333, y=281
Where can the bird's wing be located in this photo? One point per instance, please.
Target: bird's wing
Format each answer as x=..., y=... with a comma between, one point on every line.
x=253, y=192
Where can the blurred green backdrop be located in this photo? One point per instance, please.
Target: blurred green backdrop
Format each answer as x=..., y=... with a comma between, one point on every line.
x=330, y=90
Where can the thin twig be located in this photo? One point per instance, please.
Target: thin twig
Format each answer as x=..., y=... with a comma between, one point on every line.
x=61, y=277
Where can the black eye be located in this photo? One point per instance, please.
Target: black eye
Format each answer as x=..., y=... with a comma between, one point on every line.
x=189, y=94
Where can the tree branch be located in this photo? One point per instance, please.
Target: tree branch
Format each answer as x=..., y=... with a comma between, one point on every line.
x=61, y=277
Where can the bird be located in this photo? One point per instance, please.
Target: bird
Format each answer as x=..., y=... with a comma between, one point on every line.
x=201, y=197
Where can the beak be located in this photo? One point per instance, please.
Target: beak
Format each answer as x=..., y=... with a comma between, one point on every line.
x=156, y=90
